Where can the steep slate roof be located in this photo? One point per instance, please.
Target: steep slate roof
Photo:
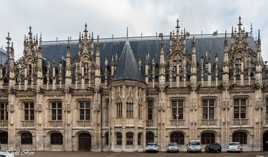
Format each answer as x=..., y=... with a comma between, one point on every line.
x=3, y=56
x=127, y=68
x=141, y=46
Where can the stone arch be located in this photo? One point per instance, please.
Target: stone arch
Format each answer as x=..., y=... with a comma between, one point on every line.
x=208, y=137
x=56, y=137
x=150, y=137
x=3, y=137
x=84, y=141
x=26, y=137
x=118, y=138
x=240, y=136
x=129, y=138
x=176, y=137
x=265, y=141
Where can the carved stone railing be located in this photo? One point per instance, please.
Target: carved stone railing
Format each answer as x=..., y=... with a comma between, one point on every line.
x=240, y=121
x=27, y=123
x=84, y=123
x=208, y=122
x=3, y=123
x=55, y=123
x=177, y=122
x=149, y=123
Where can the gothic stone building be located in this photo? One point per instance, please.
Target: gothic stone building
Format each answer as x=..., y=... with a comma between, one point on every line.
x=118, y=94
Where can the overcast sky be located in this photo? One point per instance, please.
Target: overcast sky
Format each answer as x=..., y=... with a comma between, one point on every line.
x=63, y=18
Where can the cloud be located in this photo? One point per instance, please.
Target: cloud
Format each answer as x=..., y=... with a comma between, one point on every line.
x=65, y=18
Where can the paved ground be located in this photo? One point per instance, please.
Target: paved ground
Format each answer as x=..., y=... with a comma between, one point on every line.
x=109, y=154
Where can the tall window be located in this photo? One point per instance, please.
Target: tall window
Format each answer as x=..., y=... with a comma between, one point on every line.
x=56, y=138
x=28, y=111
x=129, y=109
x=240, y=108
x=56, y=110
x=177, y=108
x=119, y=110
x=129, y=138
x=118, y=138
x=150, y=109
x=208, y=109
x=84, y=108
x=26, y=138
x=3, y=111
x=140, y=111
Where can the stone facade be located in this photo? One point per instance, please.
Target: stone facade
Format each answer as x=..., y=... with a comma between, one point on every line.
x=121, y=102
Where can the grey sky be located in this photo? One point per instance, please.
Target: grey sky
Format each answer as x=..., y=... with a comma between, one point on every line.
x=63, y=18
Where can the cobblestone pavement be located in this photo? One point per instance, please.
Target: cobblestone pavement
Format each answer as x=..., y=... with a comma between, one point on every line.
x=109, y=154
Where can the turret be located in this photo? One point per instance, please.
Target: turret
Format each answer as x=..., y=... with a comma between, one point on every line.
x=162, y=79
x=11, y=64
x=225, y=62
x=193, y=66
x=39, y=65
x=259, y=61
x=97, y=64
x=68, y=72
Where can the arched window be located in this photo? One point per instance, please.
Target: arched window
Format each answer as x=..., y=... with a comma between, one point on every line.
x=106, y=138
x=177, y=137
x=149, y=137
x=129, y=138
x=56, y=138
x=26, y=138
x=240, y=136
x=129, y=109
x=118, y=138
x=119, y=109
x=3, y=137
x=207, y=138
x=140, y=138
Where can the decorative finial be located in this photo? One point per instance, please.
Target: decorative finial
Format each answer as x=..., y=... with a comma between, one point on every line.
x=85, y=30
x=259, y=36
x=193, y=41
x=251, y=29
x=8, y=39
x=127, y=32
x=178, y=26
x=161, y=37
x=30, y=32
x=239, y=24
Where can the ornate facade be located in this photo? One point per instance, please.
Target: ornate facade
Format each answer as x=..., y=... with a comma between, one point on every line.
x=118, y=94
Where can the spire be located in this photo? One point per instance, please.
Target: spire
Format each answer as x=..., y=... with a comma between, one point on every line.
x=178, y=27
x=225, y=38
x=259, y=37
x=127, y=68
x=85, y=30
x=30, y=33
x=127, y=33
x=239, y=24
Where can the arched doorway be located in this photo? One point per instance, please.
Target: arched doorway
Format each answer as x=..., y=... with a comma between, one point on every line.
x=265, y=141
x=84, y=140
x=149, y=137
x=177, y=137
x=240, y=136
x=3, y=137
x=207, y=137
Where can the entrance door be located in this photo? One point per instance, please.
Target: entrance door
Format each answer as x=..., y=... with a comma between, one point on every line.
x=265, y=141
x=84, y=142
